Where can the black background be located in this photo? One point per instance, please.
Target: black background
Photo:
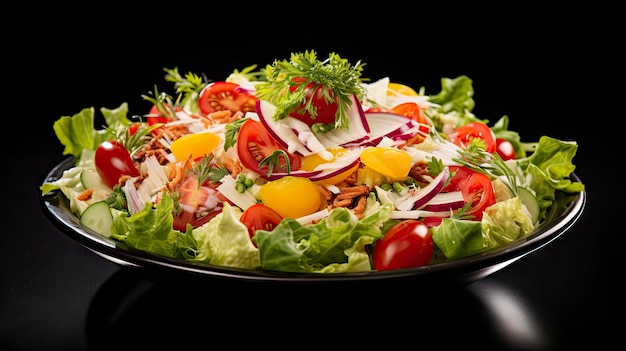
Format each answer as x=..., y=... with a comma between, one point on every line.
x=548, y=78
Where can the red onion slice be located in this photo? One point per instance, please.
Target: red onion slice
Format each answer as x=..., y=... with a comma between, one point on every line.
x=291, y=133
x=445, y=202
x=417, y=198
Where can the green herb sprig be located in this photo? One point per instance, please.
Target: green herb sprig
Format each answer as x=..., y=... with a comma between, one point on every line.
x=475, y=157
x=335, y=79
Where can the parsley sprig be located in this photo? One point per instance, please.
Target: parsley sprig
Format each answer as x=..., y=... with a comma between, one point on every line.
x=333, y=78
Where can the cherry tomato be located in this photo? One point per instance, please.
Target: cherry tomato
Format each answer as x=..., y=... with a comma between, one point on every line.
x=459, y=176
x=325, y=111
x=259, y=216
x=414, y=112
x=505, y=149
x=464, y=134
x=254, y=143
x=112, y=161
x=155, y=116
x=407, y=244
x=199, y=203
x=132, y=129
x=478, y=190
x=219, y=96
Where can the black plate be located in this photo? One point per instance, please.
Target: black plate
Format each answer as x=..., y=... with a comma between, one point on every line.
x=161, y=269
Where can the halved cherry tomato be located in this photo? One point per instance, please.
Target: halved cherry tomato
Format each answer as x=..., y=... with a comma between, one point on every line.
x=112, y=161
x=259, y=216
x=505, y=149
x=407, y=244
x=459, y=176
x=465, y=133
x=478, y=190
x=219, y=96
x=414, y=112
x=254, y=143
x=325, y=111
x=199, y=203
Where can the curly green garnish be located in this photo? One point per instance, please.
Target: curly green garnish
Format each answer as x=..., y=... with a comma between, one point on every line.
x=334, y=80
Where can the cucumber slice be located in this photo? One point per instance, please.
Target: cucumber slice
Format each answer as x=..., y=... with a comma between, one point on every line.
x=91, y=180
x=98, y=217
x=529, y=199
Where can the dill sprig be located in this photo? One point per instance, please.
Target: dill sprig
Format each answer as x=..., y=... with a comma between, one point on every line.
x=333, y=80
x=476, y=158
x=164, y=103
x=135, y=141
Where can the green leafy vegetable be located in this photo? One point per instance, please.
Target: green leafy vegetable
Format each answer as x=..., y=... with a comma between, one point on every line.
x=286, y=84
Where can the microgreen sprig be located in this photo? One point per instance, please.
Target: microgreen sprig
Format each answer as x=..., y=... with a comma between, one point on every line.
x=273, y=160
x=476, y=158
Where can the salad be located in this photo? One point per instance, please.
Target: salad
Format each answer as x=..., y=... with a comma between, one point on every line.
x=306, y=166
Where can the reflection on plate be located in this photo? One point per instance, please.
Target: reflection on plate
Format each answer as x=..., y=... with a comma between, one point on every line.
x=458, y=272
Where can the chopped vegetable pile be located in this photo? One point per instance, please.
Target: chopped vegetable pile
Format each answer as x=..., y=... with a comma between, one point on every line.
x=306, y=166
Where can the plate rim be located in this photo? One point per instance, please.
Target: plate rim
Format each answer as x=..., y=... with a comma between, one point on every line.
x=464, y=270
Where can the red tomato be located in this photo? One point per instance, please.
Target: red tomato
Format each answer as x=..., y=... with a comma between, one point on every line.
x=414, y=112
x=407, y=244
x=199, y=203
x=460, y=175
x=505, y=149
x=432, y=221
x=155, y=117
x=254, y=143
x=219, y=96
x=464, y=134
x=132, y=129
x=259, y=216
x=478, y=190
x=112, y=161
x=325, y=112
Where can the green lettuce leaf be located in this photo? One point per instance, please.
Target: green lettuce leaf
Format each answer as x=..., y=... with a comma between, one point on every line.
x=335, y=244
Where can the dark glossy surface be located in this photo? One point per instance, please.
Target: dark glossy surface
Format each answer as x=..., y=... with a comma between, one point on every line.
x=56, y=294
